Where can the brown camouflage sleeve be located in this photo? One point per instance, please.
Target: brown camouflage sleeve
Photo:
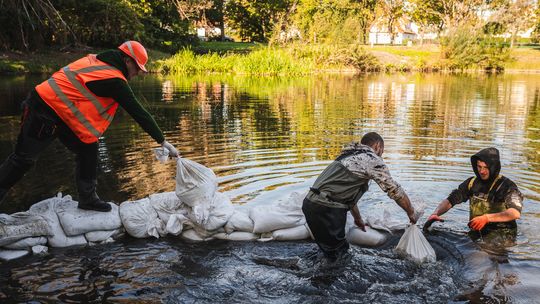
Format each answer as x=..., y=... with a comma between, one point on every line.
x=514, y=199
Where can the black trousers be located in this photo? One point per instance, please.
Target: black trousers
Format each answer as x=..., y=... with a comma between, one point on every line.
x=40, y=126
x=328, y=228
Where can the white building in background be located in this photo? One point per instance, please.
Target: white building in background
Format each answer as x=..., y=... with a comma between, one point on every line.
x=379, y=34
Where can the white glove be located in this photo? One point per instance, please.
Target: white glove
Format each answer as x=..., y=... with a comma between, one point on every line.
x=172, y=150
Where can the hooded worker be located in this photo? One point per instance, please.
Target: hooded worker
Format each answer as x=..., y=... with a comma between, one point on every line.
x=76, y=105
x=495, y=201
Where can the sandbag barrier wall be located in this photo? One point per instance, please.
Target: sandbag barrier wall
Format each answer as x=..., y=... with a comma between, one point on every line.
x=57, y=222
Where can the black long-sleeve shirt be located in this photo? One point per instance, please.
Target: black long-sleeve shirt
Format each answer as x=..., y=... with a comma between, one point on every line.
x=119, y=90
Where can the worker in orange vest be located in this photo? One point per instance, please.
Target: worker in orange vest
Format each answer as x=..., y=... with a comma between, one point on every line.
x=76, y=105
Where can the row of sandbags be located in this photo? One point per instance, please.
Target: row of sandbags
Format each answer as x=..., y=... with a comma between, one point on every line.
x=196, y=211
x=56, y=222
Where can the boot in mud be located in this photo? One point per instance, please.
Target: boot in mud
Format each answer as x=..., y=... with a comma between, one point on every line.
x=88, y=198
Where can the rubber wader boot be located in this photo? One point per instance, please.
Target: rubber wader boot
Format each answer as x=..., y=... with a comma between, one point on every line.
x=88, y=198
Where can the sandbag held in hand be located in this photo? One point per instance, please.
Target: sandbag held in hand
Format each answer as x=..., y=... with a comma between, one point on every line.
x=195, y=183
x=414, y=245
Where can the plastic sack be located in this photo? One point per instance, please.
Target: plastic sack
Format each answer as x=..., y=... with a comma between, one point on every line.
x=195, y=183
x=415, y=246
x=21, y=225
x=27, y=243
x=8, y=255
x=280, y=215
x=214, y=215
x=193, y=236
x=175, y=224
x=167, y=204
x=370, y=237
x=102, y=236
x=40, y=249
x=140, y=220
x=57, y=237
x=386, y=222
x=236, y=236
x=239, y=221
x=77, y=221
x=291, y=234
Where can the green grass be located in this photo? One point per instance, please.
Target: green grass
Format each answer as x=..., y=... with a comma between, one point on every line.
x=260, y=61
x=524, y=59
x=223, y=47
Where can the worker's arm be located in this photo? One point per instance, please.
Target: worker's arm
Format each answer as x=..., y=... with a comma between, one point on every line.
x=381, y=175
x=514, y=203
x=358, y=218
x=120, y=91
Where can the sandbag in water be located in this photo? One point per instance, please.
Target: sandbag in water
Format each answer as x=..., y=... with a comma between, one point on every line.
x=21, y=225
x=213, y=215
x=8, y=255
x=236, y=236
x=104, y=235
x=27, y=243
x=415, y=246
x=371, y=237
x=291, y=234
x=167, y=204
x=239, y=221
x=280, y=215
x=57, y=237
x=141, y=220
x=195, y=183
x=77, y=221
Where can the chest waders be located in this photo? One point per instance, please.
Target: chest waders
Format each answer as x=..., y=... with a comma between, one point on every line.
x=333, y=194
x=484, y=203
x=498, y=233
x=337, y=187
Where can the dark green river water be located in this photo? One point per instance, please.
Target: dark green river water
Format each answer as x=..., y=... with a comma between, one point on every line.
x=268, y=137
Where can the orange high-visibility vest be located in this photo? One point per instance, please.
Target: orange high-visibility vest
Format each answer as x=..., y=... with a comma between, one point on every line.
x=85, y=113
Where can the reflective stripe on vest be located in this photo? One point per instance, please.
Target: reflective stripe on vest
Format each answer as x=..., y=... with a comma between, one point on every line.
x=87, y=115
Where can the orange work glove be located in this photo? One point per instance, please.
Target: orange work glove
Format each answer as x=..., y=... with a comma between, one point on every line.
x=479, y=222
x=431, y=219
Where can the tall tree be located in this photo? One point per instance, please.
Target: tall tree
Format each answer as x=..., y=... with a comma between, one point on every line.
x=516, y=16
x=422, y=13
x=255, y=20
x=27, y=24
x=391, y=12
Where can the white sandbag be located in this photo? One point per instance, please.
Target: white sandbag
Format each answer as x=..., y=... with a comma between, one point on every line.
x=101, y=236
x=57, y=238
x=165, y=204
x=141, y=220
x=21, y=225
x=40, y=249
x=414, y=245
x=8, y=255
x=192, y=235
x=27, y=243
x=291, y=234
x=175, y=224
x=386, y=222
x=77, y=221
x=370, y=237
x=219, y=211
x=195, y=183
x=272, y=217
x=236, y=236
x=239, y=221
